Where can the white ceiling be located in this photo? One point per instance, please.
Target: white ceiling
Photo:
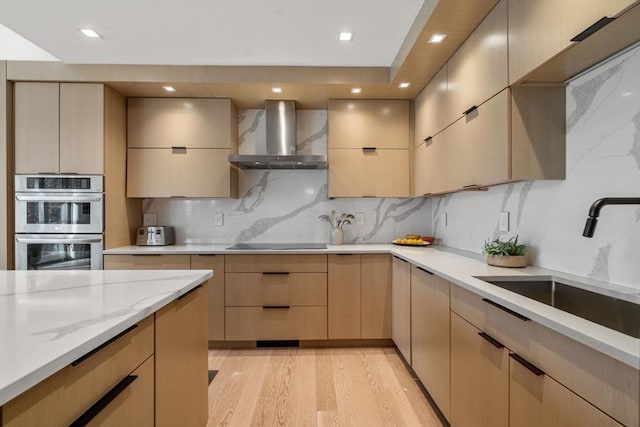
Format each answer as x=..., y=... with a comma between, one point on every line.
x=214, y=32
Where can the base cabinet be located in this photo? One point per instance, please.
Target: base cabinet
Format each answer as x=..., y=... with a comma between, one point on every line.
x=181, y=361
x=216, y=292
x=401, y=307
x=345, y=296
x=376, y=296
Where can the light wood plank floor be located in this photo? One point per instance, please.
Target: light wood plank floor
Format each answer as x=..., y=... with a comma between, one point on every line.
x=315, y=387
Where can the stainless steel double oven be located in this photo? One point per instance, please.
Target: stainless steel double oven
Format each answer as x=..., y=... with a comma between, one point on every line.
x=59, y=222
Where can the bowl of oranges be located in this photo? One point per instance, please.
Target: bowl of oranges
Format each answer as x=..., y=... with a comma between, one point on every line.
x=411, y=240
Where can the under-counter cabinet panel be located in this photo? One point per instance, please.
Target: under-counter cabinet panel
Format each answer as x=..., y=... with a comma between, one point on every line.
x=401, y=306
x=345, y=296
x=216, y=291
x=147, y=262
x=479, y=377
x=478, y=69
x=368, y=172
x=59, y=128
x=538, y=400
x=376, y=296
x=430, y=337
x=276, y=323
x=181, y=361
x=271, y=289
x=539, y=30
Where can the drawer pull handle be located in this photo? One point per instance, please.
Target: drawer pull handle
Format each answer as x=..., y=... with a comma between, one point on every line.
x=403, y=260
x=189, y=292
x=103, y=345
x=594, y=28
x=530, y=366
x=275, y=272
x=178, y=150
x=275, y=307
x=470, y=110
x=494, y=342
x=369, y=148
x=505, y=309
x=425, y=270
x=344, y=254
x=104, y=401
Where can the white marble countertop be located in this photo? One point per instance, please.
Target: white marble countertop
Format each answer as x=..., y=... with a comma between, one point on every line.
x=49, y=319
x=461, y=268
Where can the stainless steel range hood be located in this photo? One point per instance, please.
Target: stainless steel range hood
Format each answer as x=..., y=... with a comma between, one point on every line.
x=279, y=149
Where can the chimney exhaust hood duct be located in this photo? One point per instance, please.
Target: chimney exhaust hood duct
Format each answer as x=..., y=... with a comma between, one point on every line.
x=279, y=151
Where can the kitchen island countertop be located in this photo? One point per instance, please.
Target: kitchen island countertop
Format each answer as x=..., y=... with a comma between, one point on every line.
x=49, y=319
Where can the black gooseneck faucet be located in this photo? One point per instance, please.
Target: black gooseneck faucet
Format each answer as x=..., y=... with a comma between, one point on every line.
x=594, y=211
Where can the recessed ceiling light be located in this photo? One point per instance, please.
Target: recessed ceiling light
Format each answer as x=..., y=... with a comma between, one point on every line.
x=276, y=89
x=90, y=32
x=169, y=88
x=437, y=38
x=345, y=36
x=404, y=85
x=356, y=90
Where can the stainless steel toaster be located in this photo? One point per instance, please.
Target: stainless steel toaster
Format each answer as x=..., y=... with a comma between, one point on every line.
x=156, y=235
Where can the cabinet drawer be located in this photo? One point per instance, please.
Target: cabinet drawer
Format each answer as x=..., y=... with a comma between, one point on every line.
x=363, y=173
x=256, y=323
x=64, y=396
x=314, y=263
x=147, y=262
x=606, y=383
x=258, y=289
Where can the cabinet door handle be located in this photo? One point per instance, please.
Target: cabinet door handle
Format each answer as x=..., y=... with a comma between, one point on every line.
x=104, y=401
x=177, y=197
x=369, y=148
x=178, y=150
x=426, y=194
x=427, y=139
x=103, y=345
x=469, y=185
x=530, y=366
x=470, y=109
x=505, y=309
x=494, y=342
x=274, y=272
x=275, y=307
x=190, y=291
x=592, y=29
x=426, y=271
x=344, y=254
x=403, y=260
x=207, y=254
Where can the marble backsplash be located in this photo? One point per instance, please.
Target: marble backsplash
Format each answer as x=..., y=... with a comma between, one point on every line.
x=279, y=206
x=603, y=159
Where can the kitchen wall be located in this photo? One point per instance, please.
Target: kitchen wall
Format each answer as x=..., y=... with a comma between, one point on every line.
x=283, y=206
x=603, y=159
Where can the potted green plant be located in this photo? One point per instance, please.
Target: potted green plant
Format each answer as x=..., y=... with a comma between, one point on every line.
x=505, y=253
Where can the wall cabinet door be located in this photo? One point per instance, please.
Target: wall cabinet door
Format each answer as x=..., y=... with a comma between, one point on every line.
x=376, y=296
x=82, y=128
x=430, y=337
x=180, y=173
x=37, y=127
x=344, y=296
x=431, y=110
x=368, y=173
x=478, y=70
x=401, y=307
x=479, y=377
x=181, y=122
x=215, y=293
x=432, y=170
x=541, y=29
x=538, y=400
x=181, y=361
x=368, y=123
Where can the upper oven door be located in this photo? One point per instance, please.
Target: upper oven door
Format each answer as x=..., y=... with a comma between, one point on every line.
x=59, y=213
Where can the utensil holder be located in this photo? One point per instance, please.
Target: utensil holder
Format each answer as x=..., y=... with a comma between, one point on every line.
x=337, y=237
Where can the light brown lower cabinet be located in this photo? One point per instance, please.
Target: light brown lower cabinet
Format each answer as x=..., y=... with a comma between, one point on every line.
x=538, y=400
x=276, y=323
x=216, y=291
x=430, y=336
x=344, y=296
x=401, y=306
x=181, y=361
x=147, y=262
x=376, y=296
x=479, y=377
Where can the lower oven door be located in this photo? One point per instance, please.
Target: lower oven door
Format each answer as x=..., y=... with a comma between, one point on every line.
x=59, y=251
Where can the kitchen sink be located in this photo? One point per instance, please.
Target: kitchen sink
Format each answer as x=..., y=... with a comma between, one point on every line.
x=615, y=313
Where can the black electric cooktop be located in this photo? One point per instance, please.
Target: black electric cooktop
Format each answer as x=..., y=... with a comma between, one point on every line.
x=275, y=246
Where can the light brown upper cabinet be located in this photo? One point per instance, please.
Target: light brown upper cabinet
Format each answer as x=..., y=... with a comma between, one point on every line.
x=478, y=70
x=431, y=167
x=368, y=148
x=431, y=108
x=59, y=128
x=541, y=30
x=179, y=147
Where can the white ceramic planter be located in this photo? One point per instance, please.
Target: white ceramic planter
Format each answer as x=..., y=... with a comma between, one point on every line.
x=337, y=237
x=507, y=261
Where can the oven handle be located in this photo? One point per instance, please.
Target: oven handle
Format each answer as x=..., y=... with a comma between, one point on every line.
x=57, y=198
x=59, y=240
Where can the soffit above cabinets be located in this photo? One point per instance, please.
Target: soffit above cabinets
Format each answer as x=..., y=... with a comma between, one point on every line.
x=416, y=61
